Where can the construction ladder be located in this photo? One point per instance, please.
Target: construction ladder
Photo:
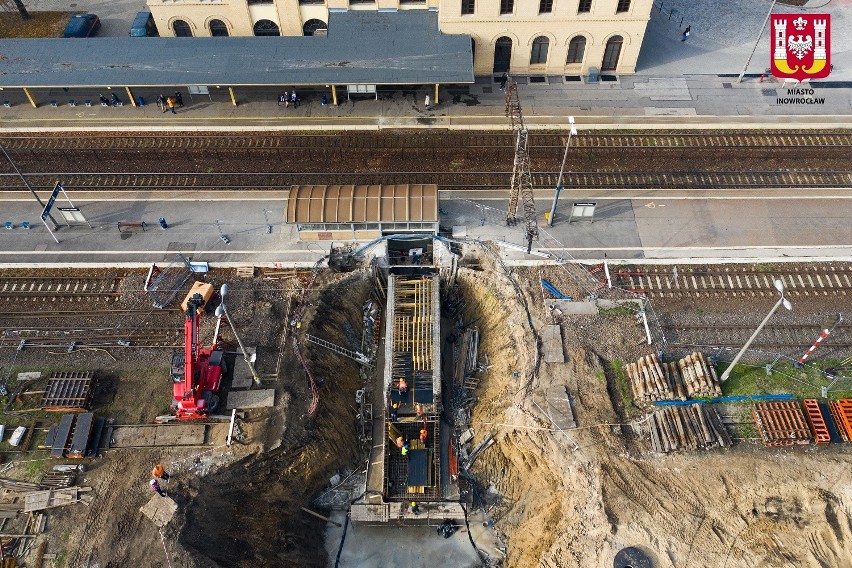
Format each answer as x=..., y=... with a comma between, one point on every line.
x=354, y=355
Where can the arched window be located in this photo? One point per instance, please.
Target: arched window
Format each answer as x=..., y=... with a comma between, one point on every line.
x=502, y=54
x=218, y=28
x=313, y=25
x=266, y=28
x=539, y=51
x=181, y=29
x=612, y=53
x=576, y=50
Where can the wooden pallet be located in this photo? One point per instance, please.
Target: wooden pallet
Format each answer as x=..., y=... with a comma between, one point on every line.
x=51, y=498
x=781, y=423
x=245, y=272
x=68, y=391
x=817, y=421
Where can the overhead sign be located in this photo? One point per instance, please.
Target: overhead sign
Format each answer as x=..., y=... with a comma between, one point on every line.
x=57, y=188
x=72, y=214
x=583, y=210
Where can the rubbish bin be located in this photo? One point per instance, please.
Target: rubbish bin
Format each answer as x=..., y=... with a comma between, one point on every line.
x=141, y=101
x=163, y=224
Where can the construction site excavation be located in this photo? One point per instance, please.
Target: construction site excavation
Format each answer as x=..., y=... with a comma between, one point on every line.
x=412, y=395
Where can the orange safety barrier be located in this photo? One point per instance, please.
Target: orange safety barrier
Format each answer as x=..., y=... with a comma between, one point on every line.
x=837, y=414
x=816, y=421
x=844, y=407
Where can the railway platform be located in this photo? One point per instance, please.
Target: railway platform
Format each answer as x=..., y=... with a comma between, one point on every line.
x=692, y=84
x=633, y=227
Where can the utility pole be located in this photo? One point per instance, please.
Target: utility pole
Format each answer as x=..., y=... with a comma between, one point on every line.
x=559, y=187
x=779, y=285
x=26, y=183
x=521, y=175
x=757, y=41
x=222, y=309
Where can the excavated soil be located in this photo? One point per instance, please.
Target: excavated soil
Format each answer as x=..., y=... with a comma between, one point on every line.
x=575, y=498
x=558, y=498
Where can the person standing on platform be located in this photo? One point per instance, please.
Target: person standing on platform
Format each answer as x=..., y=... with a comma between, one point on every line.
x=686, y=33
x=155, y=486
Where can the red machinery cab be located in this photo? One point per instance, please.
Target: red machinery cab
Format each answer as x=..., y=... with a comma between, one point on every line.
x=197, y=371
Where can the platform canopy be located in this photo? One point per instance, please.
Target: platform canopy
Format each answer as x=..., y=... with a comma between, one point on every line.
x=362, y=47
x=362, y=203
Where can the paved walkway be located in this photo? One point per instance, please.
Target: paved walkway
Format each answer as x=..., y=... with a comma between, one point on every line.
x=679, y=85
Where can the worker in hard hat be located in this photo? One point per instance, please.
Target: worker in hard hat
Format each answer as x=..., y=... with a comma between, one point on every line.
x=160, y=472
x=403, y=387
x=394, y=407
x=404, y=450
x=423, y=435
x=399, y=442
x=414, y=508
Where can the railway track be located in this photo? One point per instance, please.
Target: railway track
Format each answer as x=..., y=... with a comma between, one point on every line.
x=814, y=281
x=72, y=339
x=772, y=336
x=58, y=288
x=29, y=315
x=446, y=181
x=20, y=145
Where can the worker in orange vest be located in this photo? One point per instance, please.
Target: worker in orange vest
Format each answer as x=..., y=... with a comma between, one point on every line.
x=403, y=387
x=423, y=435
x=160, y=472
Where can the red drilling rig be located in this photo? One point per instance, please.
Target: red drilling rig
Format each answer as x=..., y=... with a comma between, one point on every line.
x=197, y=371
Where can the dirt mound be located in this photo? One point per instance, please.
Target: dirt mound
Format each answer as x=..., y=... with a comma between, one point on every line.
x=577, y=497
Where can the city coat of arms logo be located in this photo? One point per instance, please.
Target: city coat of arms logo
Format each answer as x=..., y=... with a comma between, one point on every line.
x=800, y=46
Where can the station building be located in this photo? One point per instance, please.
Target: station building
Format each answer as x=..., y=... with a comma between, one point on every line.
x=568, y=38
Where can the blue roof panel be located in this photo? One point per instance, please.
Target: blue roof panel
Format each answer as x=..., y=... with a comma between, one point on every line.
x=362, y=47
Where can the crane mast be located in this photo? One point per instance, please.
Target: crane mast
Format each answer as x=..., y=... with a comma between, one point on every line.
x=521, y=189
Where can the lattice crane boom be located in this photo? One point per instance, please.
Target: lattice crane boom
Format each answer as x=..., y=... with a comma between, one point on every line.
x=521, y=189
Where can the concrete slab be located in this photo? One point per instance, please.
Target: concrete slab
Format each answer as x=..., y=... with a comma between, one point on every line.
x=130, y=436
x=243, y=378
x=180, y=435
x=570, y=308
x=159, y=509
x=29, y=376
x=380, y=546
x=552, y=344
x=264, y=398
x=559, y=407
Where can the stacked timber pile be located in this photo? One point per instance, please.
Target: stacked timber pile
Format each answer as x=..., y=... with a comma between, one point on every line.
x=692, y=376
x=687, y=428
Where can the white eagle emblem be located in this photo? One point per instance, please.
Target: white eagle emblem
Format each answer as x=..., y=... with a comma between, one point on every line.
x=800, y=46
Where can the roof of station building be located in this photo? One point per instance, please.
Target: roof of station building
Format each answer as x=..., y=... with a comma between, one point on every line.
x=362, y=47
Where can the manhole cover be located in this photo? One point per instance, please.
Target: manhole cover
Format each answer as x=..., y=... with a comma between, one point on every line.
x=632, y=557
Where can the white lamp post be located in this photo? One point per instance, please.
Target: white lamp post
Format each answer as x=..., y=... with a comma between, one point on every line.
x=779, y=285
x=561, y=169
x=222, y=309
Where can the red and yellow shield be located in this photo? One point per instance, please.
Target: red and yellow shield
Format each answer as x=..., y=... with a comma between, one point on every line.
x=800, y=46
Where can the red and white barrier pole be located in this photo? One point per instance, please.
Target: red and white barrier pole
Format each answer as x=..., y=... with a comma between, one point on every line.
x=825, y=333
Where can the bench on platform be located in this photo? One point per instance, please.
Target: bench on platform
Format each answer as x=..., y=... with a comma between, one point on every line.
x=131, y=226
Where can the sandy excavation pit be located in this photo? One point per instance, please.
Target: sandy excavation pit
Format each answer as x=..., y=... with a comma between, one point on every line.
x=557, y=498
